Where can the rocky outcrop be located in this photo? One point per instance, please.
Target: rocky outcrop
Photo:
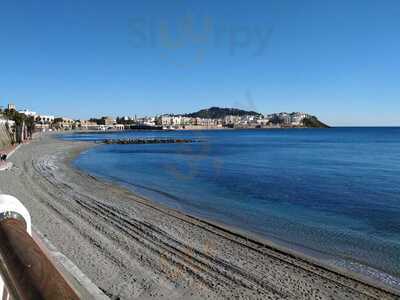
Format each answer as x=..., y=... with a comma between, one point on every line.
x=313, y=122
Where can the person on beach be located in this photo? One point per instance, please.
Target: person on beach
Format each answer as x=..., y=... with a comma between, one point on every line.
x=3, y=157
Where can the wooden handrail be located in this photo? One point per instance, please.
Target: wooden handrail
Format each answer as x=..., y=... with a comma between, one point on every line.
x=27, y=271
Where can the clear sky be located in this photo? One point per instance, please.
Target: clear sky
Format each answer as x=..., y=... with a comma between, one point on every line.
x=339, y=60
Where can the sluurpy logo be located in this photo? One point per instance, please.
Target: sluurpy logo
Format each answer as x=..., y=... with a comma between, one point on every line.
x=187, y=41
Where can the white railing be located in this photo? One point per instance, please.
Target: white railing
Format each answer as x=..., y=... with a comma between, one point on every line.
x=29, y=268
x=11, y=206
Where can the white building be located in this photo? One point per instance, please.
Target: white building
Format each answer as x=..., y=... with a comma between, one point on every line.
x=28, y=113
x=231, y=120
x=206, y=122
x=64, y=123
x=263, y=122
x=298, y=117
x=165, y=120
x=148, y=121
x=44, y=119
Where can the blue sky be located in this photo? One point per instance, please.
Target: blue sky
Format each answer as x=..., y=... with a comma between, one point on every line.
x=336, y=59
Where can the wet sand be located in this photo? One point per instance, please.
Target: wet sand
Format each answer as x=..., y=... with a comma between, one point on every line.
x=132, y=248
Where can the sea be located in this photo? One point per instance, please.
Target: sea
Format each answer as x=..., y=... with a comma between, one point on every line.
x=333, y=194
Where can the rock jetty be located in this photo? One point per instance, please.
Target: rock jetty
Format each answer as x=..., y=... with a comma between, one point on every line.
x=148, y=141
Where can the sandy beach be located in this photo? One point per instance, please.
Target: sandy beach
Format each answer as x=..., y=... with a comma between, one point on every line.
x=132, y=248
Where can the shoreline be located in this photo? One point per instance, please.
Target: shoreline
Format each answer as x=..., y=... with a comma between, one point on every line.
x=84, y=131
x=319, y=260
x=353, y=269
x=213, y=255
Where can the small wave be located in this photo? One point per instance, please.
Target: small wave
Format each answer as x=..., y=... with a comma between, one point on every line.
x=369, y=272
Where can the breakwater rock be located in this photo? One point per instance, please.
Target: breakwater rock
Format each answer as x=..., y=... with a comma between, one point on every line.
x=149, y=141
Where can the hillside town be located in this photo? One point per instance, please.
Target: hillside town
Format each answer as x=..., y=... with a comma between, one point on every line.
x=239, y=119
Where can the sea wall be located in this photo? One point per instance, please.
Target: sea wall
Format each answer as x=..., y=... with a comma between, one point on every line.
x=5, y=137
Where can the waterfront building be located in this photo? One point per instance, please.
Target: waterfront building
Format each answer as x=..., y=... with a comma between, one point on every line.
x=44, y=119
x=43, y=122
x=107, y=121
x=297, y=118
x=64, y=123
x=176, y=120
x=164, y=120
x=147, y=121
x=231, y=120
x=11, y=106
x=263, y=122
x=87, y=125
x=118, y=127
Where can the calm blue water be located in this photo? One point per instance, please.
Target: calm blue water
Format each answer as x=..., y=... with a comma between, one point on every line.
x=335, y=191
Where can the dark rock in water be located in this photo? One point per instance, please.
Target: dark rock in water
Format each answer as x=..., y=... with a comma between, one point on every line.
x=148, y=141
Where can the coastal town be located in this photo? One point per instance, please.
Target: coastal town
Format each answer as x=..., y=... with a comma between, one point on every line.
x=92, y=216
x=200, y=150
x=212, y=118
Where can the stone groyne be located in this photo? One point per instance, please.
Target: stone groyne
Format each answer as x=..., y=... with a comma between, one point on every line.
x=148, y=141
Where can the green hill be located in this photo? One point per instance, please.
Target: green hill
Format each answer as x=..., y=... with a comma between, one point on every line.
x=220, y=113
